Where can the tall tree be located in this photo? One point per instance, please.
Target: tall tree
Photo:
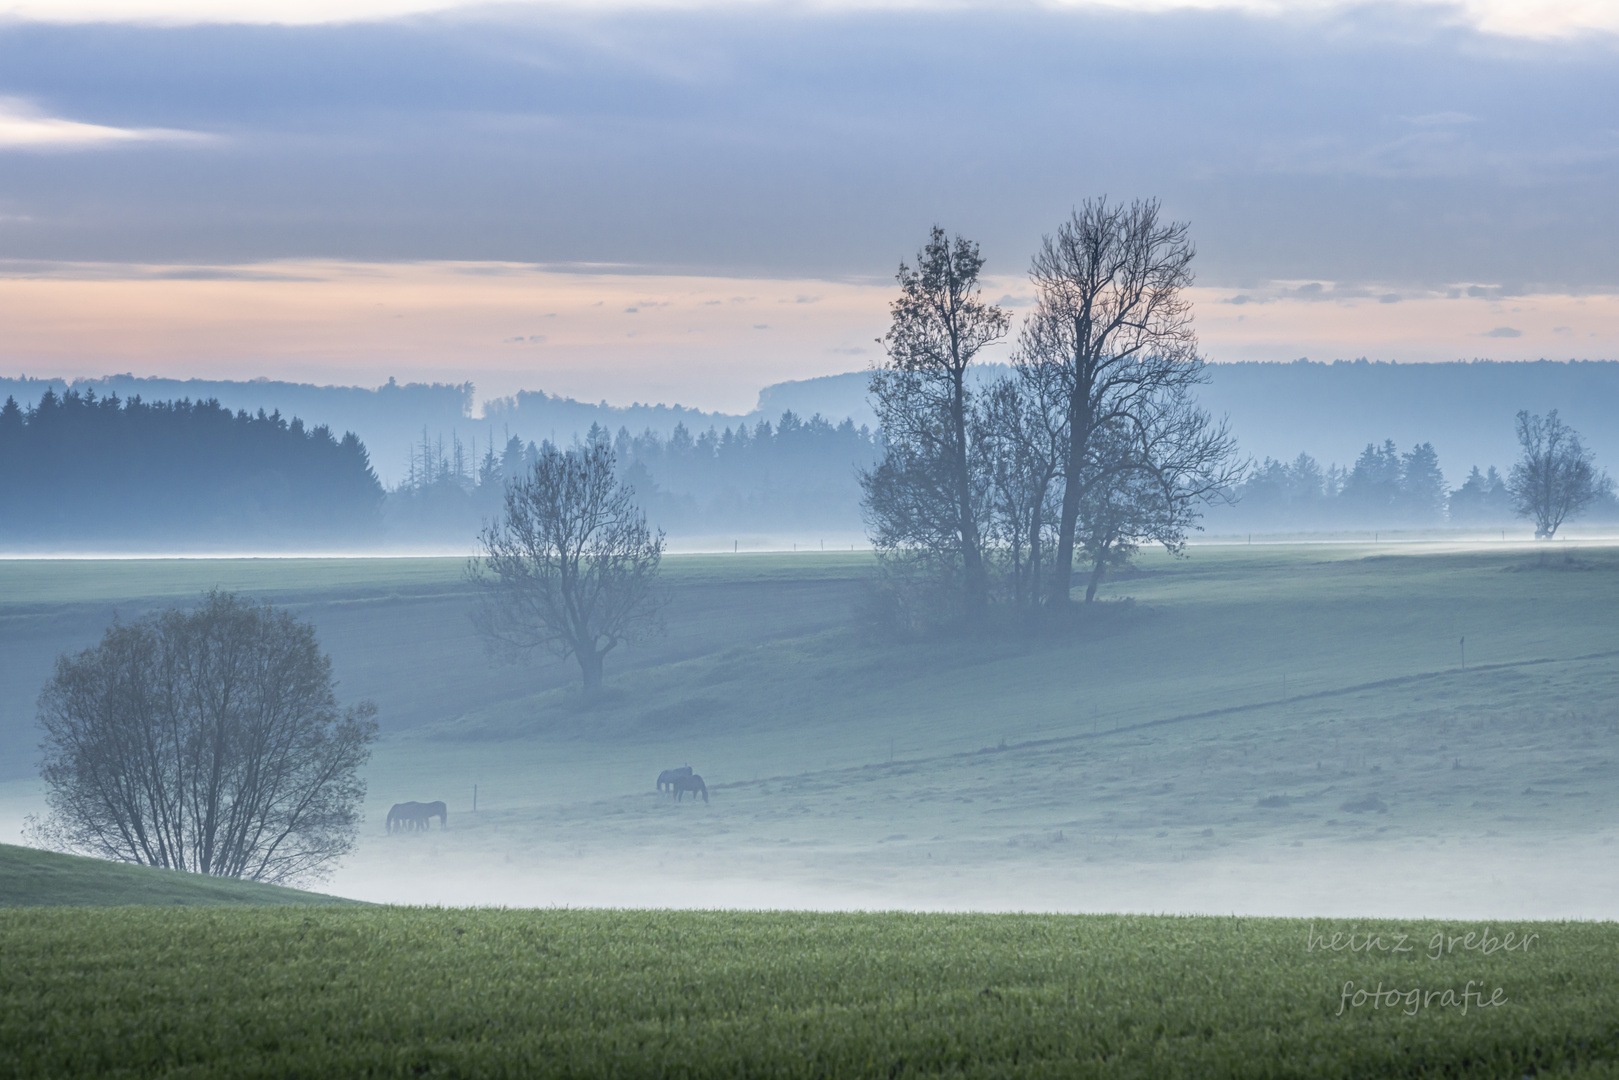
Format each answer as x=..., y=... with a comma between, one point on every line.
x=1422, y=485
x=924, y=496
x=570, y=566
x=1114, y=327
x=207, y=740
x=1481, y=500
x=1556, y=476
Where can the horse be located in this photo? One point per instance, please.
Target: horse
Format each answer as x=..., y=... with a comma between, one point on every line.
x=693, y=783
x=666, y=779
x=417, y=815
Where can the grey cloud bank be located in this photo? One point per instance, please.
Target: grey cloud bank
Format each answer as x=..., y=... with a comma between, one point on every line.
x=1382, y=145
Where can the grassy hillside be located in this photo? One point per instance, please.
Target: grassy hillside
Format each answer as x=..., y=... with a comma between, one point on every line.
x=33, y=878
x=1303, y=708
x=397, y=629
x=391, y=992
x=1267, y=729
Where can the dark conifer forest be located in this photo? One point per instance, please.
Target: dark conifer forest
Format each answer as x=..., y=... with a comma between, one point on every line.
x=121, y=475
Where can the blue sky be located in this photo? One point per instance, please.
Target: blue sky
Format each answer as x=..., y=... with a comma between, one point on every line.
x=1392, y=152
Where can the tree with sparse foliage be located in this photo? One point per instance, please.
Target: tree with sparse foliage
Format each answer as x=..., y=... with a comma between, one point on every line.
x=1152, y=478
x=207, y=740
x=570, y=566
x=1112, y=328
x=1556, y=477
x=925, y=500
x=1019, y=425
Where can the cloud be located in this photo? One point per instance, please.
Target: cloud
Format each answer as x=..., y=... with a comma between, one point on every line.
x=221, y=273
x=25, y=127
x=1501, y=17
x=1441, y=119
x=761, y=140
x=1502, y=332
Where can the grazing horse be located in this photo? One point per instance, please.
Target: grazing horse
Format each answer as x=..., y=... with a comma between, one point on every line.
x=666, y=779
x=693, y=783
x=417, y=815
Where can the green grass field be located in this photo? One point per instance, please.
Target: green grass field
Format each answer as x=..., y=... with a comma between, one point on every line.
x=31, y=878
x=291, y=992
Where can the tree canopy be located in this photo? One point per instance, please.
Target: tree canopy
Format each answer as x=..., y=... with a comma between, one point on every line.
x=207, y=740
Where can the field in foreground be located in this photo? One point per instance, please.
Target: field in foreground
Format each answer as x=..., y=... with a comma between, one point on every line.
x=401, y=992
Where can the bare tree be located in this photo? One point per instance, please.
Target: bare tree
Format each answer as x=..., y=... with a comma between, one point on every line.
x=570, y=566
x=1019, y=423
x=924, y=499
x=1113, y=331
x=208, y=741
x=1151, y=478
x=1556, y=477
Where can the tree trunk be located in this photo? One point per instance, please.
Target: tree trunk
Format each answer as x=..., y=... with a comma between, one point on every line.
x=1062, y=567
x=1094, y=581
x=1035, y=555
x=976, y=580
x=590, y=666
x=1079, y=434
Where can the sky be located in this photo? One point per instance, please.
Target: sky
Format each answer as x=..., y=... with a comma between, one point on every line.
x=687, y=201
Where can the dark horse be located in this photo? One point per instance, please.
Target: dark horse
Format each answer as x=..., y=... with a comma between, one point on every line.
x=666, y=779
x=693, y=783
x=417, y=815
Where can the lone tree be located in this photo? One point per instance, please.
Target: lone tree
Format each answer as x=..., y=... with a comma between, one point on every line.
x=570, y=566
x=1556, y=477
x=207, y=740
x=924, y=499
x=1113, y=331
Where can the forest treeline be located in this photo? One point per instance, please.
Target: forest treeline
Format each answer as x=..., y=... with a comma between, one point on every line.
x=792, y=474
x=101, y=472
x=1383, y=488
x=87, y=471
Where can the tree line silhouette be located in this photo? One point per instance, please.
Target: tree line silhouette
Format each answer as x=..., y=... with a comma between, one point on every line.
x=183, y=474
x=1383, y=488
x=795, y=472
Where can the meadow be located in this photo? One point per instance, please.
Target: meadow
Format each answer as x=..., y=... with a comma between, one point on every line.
x=259, y=992
x=1260, y=729
x=33, y=878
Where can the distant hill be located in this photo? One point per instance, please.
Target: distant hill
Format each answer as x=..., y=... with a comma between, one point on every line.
x=1330, y=411
x=33, y=878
